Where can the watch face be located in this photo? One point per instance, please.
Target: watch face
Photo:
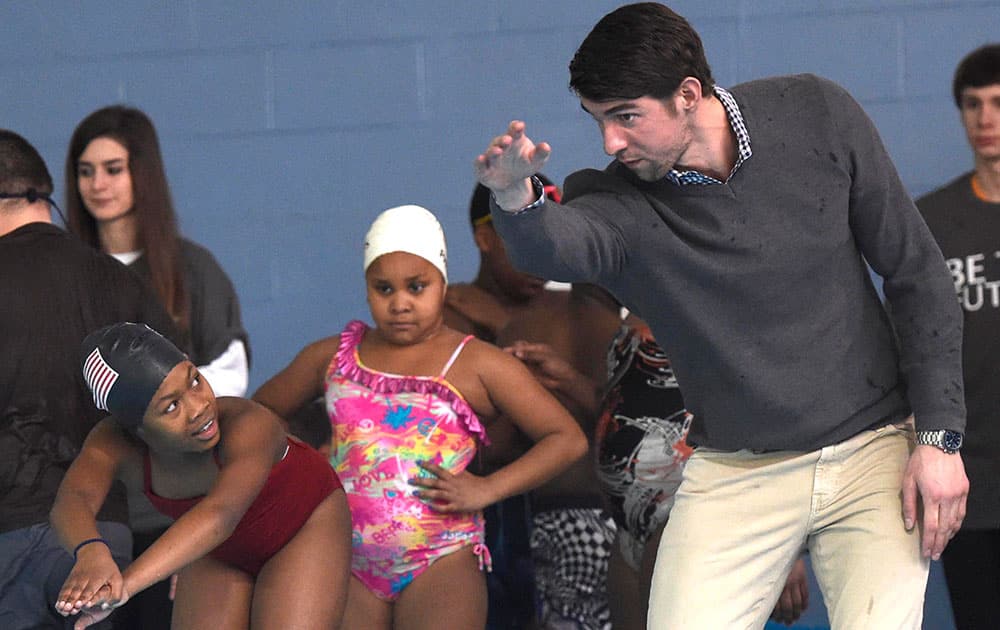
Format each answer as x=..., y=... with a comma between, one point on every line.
x=952, y=440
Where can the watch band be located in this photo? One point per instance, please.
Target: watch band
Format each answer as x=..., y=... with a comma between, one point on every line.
x=944, y=439
x=539, y=190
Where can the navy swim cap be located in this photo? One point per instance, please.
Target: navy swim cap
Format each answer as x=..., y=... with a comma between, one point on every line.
x=123, y=365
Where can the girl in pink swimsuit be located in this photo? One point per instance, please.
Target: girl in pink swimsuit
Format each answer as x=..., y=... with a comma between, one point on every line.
x=409, y=401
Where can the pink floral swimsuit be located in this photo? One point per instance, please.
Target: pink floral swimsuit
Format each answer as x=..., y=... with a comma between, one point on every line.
x=383, y=424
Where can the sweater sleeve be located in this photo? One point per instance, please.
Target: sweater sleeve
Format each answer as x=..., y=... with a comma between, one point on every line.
x=215, y=308
x=582, y=240
x=897, y=244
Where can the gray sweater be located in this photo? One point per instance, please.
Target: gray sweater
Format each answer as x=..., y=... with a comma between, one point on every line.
x=758, y=288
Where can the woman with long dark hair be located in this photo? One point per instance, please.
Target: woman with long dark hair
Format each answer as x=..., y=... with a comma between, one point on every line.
x=118, y=201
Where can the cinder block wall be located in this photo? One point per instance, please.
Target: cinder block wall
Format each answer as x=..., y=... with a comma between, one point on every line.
x=287, y=126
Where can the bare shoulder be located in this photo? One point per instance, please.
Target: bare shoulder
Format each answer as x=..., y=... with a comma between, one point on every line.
x=124, y=451
x=471, y=308
x=470, y=376
x=247, y=426
x=318, y=355
x=456, y=319
x=301, y=380
x=477, y=351
x=109, y=435
x=485, y=362
x=235, y=412
x=322, y=350
x=464, y=292
x=487, y=375
x=547, y=316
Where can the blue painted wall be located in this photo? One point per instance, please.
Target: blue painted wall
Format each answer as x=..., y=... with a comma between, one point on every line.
x=287, y=126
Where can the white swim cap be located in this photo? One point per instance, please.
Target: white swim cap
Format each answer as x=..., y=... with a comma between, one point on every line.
x=409, y=229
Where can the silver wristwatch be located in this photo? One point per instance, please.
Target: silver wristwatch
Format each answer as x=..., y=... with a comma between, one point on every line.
x=946, y=440
x=537, y=187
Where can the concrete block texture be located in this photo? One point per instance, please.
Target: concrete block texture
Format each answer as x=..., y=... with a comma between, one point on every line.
x=287, y=126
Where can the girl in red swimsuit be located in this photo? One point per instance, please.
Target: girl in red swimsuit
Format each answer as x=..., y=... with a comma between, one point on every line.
x=262, y=536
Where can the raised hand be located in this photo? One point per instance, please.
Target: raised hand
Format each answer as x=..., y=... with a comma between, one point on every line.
x=508, y=162
x=551, y=370
x=578, y=392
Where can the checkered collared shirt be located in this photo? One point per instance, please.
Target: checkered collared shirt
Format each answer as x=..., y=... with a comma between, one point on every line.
x=684, y=178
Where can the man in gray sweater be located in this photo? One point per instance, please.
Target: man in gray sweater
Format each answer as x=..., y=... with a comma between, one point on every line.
x=737, y=223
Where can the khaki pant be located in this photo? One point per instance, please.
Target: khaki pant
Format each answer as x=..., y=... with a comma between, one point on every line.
x=741, y=519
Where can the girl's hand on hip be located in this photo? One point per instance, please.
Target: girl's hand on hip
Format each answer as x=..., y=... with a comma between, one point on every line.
x=449, y=493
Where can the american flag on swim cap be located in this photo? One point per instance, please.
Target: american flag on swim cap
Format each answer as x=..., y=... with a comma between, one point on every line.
x=100, y=378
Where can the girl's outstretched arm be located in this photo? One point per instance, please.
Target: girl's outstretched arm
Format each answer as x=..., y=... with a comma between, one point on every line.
x=301, y=381
x=253, y=440
x=515, y=393
x=74, y=517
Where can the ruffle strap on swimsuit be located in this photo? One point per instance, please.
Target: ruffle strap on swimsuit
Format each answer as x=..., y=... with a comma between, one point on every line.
x=347, y=363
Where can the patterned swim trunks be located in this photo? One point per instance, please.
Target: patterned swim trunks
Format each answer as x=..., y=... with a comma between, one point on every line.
x=570, y=549
x=641, y=447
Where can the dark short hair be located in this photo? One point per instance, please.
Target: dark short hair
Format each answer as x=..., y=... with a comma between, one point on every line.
x=479, y=204
x=21, y=167
x=638, y=50
x=979, y=68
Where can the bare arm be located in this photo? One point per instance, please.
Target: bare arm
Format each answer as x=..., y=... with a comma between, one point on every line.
x=301, y=381
x=74, y=517
x=254, y=440
x=515, y=393
x=558, y=440
x=468, y=307
x=576, y=390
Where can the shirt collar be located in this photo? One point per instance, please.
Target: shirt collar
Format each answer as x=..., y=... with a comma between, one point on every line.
x=743, y=151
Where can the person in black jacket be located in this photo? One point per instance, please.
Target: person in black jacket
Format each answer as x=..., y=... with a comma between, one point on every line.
x=55, y=291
